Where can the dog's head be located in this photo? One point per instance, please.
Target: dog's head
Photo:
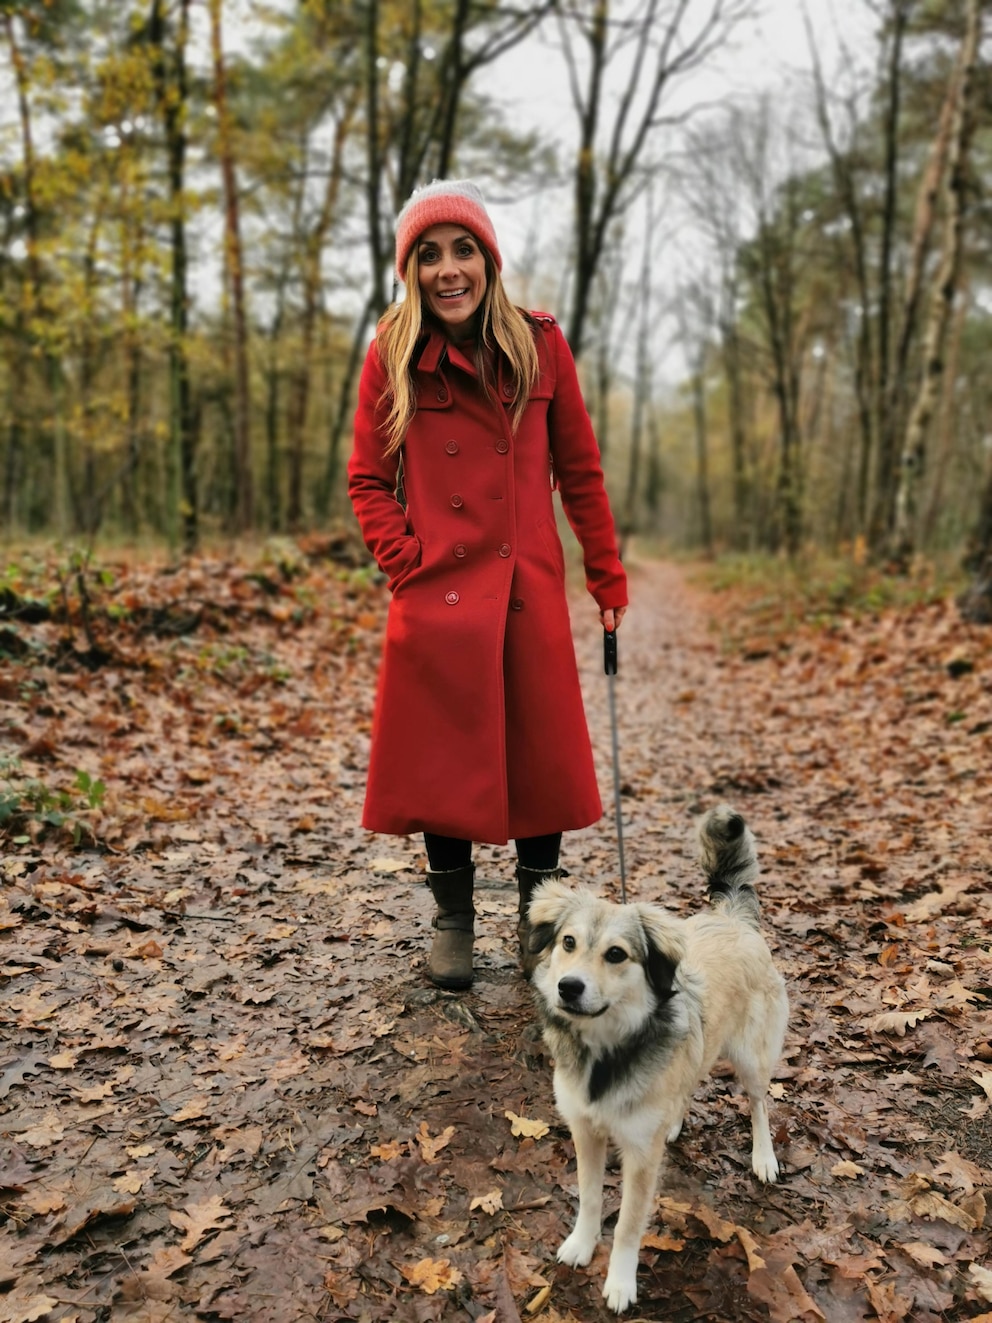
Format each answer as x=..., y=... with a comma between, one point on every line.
x=600, y=962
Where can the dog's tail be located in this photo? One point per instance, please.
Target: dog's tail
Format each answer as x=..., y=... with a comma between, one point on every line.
x=730, y=862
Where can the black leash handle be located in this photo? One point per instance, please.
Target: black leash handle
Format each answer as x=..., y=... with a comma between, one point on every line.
x=610, y=651
x=610, y=667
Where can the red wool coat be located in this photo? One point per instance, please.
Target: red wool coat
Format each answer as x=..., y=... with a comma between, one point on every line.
x=479, y=729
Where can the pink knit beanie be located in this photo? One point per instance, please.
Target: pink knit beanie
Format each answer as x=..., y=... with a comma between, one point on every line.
x=444, y=202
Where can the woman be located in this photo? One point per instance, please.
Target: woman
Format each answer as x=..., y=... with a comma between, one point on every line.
x=469, y=413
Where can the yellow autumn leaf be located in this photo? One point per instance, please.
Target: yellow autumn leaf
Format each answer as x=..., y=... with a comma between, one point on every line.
x=383, y=865
x=132, y=1181
x=849, y=1169
x=432, y=1275
x=198, y=1219
x=925, y=1255
x=96, y=1094
x=897, y=1022
x=197, y=1106
x=391, y=1149
x=489, y=1203
x=48, y=1131
x=522, y=1128
x=430, y=1146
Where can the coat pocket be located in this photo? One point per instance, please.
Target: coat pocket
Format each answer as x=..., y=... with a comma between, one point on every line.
x=398, y=574
x=548, y=530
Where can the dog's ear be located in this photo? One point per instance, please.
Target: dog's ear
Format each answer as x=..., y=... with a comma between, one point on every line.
x=540, y=937
x=549, y=903
x=665, y=949
x=548, y=906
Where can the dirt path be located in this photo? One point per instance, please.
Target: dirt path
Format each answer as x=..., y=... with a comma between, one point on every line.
x=230, y=1094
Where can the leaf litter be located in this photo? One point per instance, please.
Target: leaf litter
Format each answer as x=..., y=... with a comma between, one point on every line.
x=228, y=1092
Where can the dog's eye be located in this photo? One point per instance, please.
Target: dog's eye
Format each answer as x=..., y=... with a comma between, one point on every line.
x=568, y=943
x=616, y=955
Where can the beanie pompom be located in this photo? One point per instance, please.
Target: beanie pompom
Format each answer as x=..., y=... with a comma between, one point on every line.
x=444, y=202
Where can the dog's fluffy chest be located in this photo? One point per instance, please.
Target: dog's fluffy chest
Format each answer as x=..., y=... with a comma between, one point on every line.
x=620, y=1084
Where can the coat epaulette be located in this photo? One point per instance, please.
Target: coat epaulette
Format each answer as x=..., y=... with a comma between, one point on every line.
x=545, y=319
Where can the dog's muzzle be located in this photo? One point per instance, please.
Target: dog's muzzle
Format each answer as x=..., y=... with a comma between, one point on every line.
x=570, y=993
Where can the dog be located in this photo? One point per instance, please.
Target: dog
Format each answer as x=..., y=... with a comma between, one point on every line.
x=636, y=1005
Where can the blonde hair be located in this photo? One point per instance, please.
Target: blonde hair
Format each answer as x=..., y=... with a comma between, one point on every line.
x=402, y=325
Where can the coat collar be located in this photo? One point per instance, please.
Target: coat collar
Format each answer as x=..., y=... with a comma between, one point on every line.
x=437, y=348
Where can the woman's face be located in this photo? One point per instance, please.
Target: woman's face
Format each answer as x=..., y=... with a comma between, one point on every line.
x=451, y=270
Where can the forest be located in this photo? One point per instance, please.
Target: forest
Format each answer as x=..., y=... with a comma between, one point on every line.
x=196, y=215
x=228, y=1087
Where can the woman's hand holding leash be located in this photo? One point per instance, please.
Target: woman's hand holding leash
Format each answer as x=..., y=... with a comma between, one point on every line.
x=611, y=617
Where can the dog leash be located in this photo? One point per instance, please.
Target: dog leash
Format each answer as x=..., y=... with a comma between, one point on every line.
x=610, y=666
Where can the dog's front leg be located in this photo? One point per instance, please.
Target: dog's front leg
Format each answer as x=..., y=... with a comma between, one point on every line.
x=590, y=1160
x=640, y=1181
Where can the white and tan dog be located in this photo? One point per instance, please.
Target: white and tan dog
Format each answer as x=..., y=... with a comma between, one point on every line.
x=636, y=1006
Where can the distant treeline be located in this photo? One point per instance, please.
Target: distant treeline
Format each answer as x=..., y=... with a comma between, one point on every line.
x=196, y=241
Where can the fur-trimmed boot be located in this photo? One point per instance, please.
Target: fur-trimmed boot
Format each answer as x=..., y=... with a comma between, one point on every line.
x=450, y=963
x=527, y=880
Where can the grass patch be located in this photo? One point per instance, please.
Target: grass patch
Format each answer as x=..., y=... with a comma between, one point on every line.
x=773, y=596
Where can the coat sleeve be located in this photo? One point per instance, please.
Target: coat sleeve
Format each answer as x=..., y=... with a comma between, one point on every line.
x=372, y=480
x=579, y=471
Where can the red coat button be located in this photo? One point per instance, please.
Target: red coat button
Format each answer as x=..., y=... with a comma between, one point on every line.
x=508, y=390
x=460, y=550
x=502, y=446
x=457, y=501
x=517, y=604
x=442, y=394
x=505, y=550
x=451, y=599
x=452, y=447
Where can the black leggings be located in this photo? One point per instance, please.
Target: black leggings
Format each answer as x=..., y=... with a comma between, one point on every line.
x=447, y=852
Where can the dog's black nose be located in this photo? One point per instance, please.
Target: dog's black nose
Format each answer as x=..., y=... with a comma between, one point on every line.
x=570, y=989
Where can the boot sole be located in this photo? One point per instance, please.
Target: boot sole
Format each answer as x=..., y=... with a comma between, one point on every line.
x=451, y=984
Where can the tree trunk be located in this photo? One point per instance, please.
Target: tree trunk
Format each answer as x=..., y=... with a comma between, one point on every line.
x=905, y=532
x=975, y=603
x=893, y=414
x=865, y=368
x=884, y=420
x=731, y=356
x=182, y=504
x=702, y=459
x=35, y=309
x=234, y=261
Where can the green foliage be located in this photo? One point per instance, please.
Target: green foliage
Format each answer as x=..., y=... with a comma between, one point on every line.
x=29, y=805
x=819, y=590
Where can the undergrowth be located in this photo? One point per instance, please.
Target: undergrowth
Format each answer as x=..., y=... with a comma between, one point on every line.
x=774, y=596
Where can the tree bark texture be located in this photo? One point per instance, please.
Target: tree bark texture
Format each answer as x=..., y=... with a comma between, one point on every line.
x=905, y=532
x=234, y=260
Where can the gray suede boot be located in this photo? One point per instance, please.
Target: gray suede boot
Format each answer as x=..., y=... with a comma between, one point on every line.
x=450, y=963
x=527, y=880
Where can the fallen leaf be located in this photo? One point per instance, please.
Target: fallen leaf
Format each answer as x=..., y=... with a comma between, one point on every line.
x=385, y=865
x=897, y=1022
x=431, y=1275
x=849, y=1169
x=198, y=1219
x=982, y=1279
x=430, y=1146
x=489, y=1203
x=521, y=1128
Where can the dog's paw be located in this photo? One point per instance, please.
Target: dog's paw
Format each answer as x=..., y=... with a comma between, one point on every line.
x=765, y=1167
x=578, y=1249
x=619, y=1292
x=676, y=1130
